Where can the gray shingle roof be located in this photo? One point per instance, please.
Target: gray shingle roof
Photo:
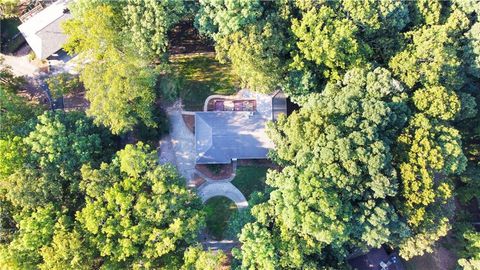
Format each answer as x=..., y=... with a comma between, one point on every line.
x=43, y=30
x=225, y=135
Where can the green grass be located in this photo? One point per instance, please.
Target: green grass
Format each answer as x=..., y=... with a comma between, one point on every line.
x=218, y=210
x=249, y=179
x=202, y=76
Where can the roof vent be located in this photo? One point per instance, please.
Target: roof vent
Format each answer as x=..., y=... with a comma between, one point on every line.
x=66, y=11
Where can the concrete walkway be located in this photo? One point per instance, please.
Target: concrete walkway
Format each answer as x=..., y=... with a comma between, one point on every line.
x=225, y=189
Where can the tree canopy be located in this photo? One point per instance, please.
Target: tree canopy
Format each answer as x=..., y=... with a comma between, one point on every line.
x=138, y=213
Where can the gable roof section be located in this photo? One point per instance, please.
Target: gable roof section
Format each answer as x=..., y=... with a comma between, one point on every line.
x=43, y=31
x=221, y=136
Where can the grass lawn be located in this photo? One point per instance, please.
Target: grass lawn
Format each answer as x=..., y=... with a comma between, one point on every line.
x=201, y=77
x=219, y=210
x=249, y=179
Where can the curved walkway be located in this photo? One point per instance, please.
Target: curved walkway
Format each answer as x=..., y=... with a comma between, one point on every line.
x=225, y=189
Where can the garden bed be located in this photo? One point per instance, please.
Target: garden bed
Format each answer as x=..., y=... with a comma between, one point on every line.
x=216, y=171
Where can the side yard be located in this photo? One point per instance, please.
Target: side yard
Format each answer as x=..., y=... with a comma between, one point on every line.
x=200, y=75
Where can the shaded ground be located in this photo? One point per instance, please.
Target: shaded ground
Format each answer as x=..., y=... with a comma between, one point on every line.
x=440, y=259
x=184, y=38
x=10, y=35
x=218, y=211
x=201, y=76
x=250, y=179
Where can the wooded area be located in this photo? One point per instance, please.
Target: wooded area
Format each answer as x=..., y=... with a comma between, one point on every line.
x=384, y=150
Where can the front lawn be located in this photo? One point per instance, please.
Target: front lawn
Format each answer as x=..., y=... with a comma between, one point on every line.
x=249, y=179
x=218, y=211
x=202, y=75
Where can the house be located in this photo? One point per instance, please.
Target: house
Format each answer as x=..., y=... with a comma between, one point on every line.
x=376, y=259
x=43, y=30
x=234, y=127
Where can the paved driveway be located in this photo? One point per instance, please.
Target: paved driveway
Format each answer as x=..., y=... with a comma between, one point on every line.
x=20, y=65
x=179, y=147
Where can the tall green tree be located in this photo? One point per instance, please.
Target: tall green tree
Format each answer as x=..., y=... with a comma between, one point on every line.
x=139, y=214
x=119, y=82
x=14, y=110
x=470, y=256
x=149, y=22
x=336, y=188
x=35, y=230
x=251, y=35
x=431, y=56
x=59, y=144
x=342, y=51
x=195, y=258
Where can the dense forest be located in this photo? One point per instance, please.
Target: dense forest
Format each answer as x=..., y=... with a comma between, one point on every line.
x=384, y=149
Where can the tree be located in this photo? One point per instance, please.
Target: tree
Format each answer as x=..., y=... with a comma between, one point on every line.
x=139, y=214
x=149, y=21
x=375, y=15
x=468, y=108
x=69, y=249
x=224, y=17
x=252, y=35
x=62, y=84
x=342, y=51
x=120, y=92
x=426, y=11
x=120, y=84
x=258, y=251
x=431, y=56
x=36, y=229
x=338, y=179
x=14, y=110
x=195, y=258
x=239, y=218
x=9, y=8
x=57, y=147
x=423, y=242
x=254, y=54
x=437, y=102
x=429, y=151
x=470, y=256
x=472, y=50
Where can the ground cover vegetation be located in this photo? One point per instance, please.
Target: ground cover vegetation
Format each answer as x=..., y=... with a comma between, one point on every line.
x=384, y=149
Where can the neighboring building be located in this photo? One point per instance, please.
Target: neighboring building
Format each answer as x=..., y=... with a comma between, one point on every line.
x=43, y=30
x=235, y=128
x=376, y=259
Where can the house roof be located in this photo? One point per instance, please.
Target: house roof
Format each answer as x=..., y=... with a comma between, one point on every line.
x=43, y=31
x=225, y=135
